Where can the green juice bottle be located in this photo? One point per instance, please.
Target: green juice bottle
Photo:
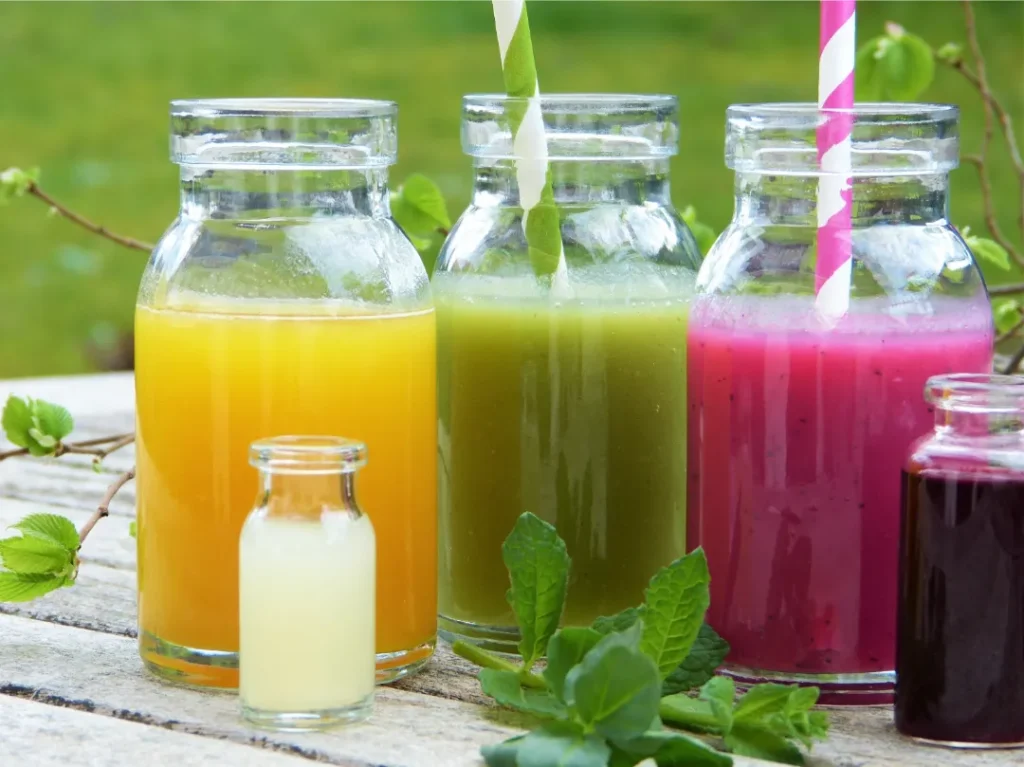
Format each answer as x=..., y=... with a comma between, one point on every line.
x=564, y=396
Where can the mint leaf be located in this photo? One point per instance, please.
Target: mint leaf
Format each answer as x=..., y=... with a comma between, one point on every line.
x=673, y=749
x=52, y=527
x=748, y=740
x=502, y=754
x=24, y=587
x=505, y=688
x=689, y=713
x=52, y=420
x=538, y=568
x=35, y=555
x=16, y=421
x=1007, y=314
x=606, y=624
x=896, y=66
x=988, y=251
x=674, y=607
x=560, y=744
x=702, y=233
x=719, y=693
x=763, y=700
x=706, y=654
x=565, y=650
x=423, y=195
x=615, y=688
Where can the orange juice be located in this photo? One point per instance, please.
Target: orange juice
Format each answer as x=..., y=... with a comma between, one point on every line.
x=212, y=376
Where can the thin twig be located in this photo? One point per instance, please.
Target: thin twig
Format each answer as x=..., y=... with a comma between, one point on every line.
x=103, y=440
x=1006, y=290
x=102, y=231
x=13, y=453
x=990, y=211
x=98, y=453
x=1009, y=333
x=1015, y=360
x=104, y=508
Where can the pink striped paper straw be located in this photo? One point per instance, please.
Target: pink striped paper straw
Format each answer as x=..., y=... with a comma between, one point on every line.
x=835, y=189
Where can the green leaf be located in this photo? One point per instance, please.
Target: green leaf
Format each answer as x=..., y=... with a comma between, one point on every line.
x=689, y=713
x=705, y=656
x=763, y=700
x=538, y=568
x=24, y=587
x=53, y=420
x=988, y=251
x=35, y=555
x=560, y=744
x=425, y=196
x=719, y=693
x=15, y=182
x=1007, y=314
x=16, y=421
x=748, y=740
x=133, y=529
x=615, y=688
x=502, y=754
x=565, y=650
x=51, y=527
x=607, y=624
x=703, y=233
x=896, y=66
x=674, y=607
x=673, y=749
x=505, y=688
x=951, y=53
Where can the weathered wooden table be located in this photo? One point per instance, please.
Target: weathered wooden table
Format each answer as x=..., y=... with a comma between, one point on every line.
x=73, y=692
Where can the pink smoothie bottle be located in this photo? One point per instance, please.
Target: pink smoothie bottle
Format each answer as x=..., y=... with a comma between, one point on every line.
x=799, y=424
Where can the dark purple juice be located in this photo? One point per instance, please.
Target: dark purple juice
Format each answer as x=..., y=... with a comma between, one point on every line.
x=960, y=633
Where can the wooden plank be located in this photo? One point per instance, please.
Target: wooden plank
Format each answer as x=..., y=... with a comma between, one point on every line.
x=59, y=482
x=51, y=736
x=91, y=395
x=101, y=673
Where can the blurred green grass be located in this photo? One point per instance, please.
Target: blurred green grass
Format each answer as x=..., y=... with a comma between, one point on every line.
x=85, y=91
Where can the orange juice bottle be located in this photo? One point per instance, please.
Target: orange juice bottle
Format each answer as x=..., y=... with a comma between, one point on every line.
x=283, y=300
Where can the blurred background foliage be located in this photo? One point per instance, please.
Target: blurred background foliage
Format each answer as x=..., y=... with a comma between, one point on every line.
x=85, y=91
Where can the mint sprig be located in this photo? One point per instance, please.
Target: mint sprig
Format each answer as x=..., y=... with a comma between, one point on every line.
x=600, y=697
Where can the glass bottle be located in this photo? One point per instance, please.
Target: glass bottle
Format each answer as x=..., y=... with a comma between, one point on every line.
x=306, y=588
x=960, y=638
x=800, y=424
x=282, y=300
x=566, y=400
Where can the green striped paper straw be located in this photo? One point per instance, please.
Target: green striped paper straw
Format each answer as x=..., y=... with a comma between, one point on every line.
x=540, y=214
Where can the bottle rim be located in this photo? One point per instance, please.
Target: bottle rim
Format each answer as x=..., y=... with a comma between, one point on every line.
x=307, y=454
x=284, y=133
x=977, y=392
x=577, y=126
x=886, y=139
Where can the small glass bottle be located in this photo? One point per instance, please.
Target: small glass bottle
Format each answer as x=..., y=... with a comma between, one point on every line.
x=307, y=559
x=800, y=426
x=960, y=635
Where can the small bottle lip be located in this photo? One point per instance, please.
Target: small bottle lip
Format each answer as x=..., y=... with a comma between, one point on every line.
x=308, y=454
x=977, y=392
x=283, y=107
x=578, y=126
x=886, y=139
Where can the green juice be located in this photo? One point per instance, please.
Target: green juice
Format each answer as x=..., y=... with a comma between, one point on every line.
x=573, y=409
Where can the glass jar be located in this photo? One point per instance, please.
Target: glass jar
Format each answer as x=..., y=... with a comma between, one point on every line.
x=306, y=588
x=960, y=639
x=800, y=421
x=283, y=300
x=565, y=399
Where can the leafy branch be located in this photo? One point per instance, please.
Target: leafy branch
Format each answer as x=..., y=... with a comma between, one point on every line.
x=44, y=557
x=899, y=66
x=608, y=690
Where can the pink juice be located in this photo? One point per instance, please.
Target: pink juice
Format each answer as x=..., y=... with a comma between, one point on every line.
x=797, y=437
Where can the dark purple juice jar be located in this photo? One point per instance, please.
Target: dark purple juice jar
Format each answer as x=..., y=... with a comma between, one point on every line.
x=960, y=631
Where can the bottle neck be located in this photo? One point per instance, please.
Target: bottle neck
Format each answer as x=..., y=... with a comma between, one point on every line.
x=791, y=200
x=273, y=193
x=307, y=496
x=578, y=182
x=955, y=423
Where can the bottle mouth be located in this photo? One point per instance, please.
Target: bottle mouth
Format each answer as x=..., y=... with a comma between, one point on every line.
x=977, y=393
x=307, y=454
x=885, y=138
x=577, y=126
x=284, y=133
